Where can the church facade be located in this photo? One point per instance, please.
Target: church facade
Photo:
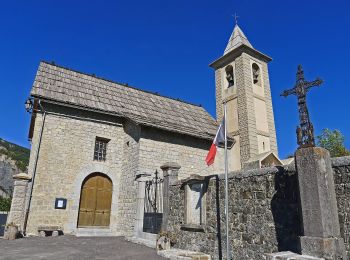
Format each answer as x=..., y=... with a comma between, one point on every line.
x=92, y=139
x=96, y=138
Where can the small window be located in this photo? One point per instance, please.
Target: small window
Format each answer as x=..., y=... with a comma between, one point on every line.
x=100, y=149
x=256, y=74
x=195, y=212
x=229, y=76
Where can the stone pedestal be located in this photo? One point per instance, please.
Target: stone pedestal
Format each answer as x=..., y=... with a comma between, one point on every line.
x=18, y=205
x=327, y=248
x=321, y=232
x=170, y=175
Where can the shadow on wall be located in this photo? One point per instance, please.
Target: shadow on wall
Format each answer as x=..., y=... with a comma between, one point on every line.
x=286, y=211
x=257, y=202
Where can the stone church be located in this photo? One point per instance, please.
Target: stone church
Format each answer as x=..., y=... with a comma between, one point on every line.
x=94, y=140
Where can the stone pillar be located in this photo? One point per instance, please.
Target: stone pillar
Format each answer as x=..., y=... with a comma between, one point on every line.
x=18, y=206
x=140, y=202
x=170, y=175
x=321, y=232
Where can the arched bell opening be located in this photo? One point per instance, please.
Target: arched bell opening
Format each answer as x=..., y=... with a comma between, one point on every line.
x=229, y=76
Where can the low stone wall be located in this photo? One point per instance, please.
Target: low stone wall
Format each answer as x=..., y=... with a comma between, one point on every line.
x=263, y=210
x=341, y=168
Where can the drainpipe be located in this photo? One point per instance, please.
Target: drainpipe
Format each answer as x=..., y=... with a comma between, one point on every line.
x=35, y=167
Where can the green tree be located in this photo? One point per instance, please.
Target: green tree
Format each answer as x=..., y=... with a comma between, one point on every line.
x=5, y=204
x=333, y=141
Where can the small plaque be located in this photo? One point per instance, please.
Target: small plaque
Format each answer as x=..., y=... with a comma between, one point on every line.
x=60, y=203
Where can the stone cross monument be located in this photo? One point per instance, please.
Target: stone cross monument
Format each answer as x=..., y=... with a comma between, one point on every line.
x=305, y=132
x=320, y=222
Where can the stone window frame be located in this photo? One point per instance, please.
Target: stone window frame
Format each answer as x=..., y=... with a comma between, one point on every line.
x=192, y=226
x=100, y=152
x=225, y=82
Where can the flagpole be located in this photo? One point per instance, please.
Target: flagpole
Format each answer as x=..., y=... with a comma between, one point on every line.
x=228, y=254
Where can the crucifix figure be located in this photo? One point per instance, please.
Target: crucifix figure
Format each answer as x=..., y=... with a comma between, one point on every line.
x=305, y=132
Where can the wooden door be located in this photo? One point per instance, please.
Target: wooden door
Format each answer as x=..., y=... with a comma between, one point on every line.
x=95, y=201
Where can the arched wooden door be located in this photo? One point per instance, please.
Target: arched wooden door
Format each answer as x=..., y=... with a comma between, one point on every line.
x=95, y=201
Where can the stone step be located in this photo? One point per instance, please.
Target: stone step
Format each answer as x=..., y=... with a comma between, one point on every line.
x=287, y=255
x=178, y=254
x=94, y=232
x=143, y=241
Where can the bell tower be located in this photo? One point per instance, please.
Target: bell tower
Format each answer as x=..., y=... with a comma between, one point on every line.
x=242, y=82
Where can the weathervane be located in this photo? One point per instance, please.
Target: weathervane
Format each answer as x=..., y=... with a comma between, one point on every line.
x=305, y=132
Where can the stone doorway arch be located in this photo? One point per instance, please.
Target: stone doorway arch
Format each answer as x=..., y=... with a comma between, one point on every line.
x=95, y=201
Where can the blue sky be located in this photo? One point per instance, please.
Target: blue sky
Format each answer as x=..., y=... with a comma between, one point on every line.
x=166, y=46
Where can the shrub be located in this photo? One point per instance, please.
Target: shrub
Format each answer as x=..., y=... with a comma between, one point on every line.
x=5, y=204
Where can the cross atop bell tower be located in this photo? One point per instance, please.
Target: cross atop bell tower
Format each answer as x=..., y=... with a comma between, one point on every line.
x=242, y=82
x=236, y=18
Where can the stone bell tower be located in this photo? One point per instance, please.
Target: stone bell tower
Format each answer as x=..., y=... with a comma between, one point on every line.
x=242, y=81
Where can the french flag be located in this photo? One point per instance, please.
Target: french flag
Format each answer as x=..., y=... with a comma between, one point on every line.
x=219, y=139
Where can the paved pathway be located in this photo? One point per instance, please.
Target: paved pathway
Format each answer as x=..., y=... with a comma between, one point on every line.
x=75, y=248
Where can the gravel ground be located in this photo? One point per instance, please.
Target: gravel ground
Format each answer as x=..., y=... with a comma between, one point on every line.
x=75, y=248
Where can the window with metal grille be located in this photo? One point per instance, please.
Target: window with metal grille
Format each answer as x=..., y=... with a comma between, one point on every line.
x=100, y=149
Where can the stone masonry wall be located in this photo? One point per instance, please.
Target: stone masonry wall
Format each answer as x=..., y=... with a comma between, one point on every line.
x=263, y=211
x=128, y=189
x=245, y=96
x=341, y=167
x=158, y=147
x=242, y=108
x=17, y=214
x=269, y=108
x=218, y=92
x=65, y=159
x=257, y=202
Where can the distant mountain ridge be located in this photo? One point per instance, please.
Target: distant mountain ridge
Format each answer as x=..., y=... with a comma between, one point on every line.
x=13, y=160
x=15, y=152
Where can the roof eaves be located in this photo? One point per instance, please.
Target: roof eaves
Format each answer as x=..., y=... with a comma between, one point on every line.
x=235, y=53
x=139, y=120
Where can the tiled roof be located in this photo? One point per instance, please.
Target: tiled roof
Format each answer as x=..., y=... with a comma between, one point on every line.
x=66, y=86
x=237, y=39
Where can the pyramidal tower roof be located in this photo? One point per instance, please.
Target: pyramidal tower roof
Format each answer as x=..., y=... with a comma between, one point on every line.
x=237, y=39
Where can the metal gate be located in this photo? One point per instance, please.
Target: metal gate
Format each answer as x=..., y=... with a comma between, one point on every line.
x=3, y=218
x=153, y=205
